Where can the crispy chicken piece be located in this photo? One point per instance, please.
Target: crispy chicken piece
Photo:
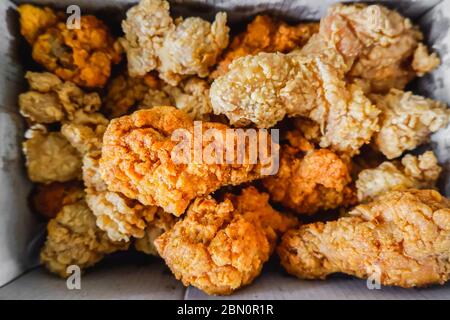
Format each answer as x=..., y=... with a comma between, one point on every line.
x=265, y=34
x=155, y=156
x=221, y=246
x=74, y=239
x=35, y=20
x=52, y=100
x=175, y=48
x=406, y=121
x=400, y=239
x=191, y=96
x=263, y=89
x=307, y=183
x=124, y=93
x=117, y=215
x=419, y=172
x=48, y=199
x=83, y=56
x=161, y=223
x=424, y=62
x=50, y=157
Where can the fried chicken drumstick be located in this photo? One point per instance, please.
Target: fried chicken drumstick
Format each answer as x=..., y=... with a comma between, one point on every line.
x=402, y=237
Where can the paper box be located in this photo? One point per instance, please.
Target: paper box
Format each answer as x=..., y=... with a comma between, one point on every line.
x=127, y=276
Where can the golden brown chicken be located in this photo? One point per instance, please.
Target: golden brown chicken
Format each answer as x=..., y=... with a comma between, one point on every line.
x=83, y=56
x=400, y=239
x=180, y=48
x=161, y=157
x=74, y=239
x=419, y=172
x=221, y=246
x=265, y=34
x=35, y=20
x=311, y=181
x=406, y=121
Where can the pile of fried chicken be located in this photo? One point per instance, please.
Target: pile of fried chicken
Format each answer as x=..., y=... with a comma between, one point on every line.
x=102, y=112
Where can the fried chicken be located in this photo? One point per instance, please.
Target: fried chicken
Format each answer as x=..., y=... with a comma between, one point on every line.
x=83, y=56
x=157, y=157
x=400, y=239
x=221, y=246
x=153, y=40
x=265, y=34
x=419, y=172
x=51, y=100
x=74, y=239
x=162, y=222
x=406, y=121
x=124, y=93
x=50, y=157
x=35, y=20
x=307, y=183
x=191, y=96
x=48, y=199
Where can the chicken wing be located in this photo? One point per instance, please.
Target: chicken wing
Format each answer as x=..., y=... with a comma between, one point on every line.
x=406, y=121
x=419, y=172
x=160, y=157
x=400, y=239
x=221, y=246
x=265, y=34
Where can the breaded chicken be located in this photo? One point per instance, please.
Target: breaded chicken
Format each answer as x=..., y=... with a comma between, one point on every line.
x=307, y=183
x=83, y=56
x=406, y=121
x=419, y=172
x=400, y=239
x=48, y=199
x=124, y=93
x=35, y=20
x=221, y=246
x=50, y=157
x=51, y=100
x=180, y=48
x=74, y=239
x=190, y=95
x=157, y=157
x=265, y=34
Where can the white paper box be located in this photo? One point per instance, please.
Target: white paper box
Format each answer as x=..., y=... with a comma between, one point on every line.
x=134, y=277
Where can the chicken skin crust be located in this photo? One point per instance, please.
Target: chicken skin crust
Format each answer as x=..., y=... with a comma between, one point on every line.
x=143, y=158
x=221, y=246
x=400, y=239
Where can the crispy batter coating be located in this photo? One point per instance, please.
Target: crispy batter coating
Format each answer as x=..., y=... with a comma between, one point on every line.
x=48, y=199
x=83, y=56
x=390, y=43
x=419, y=172
x=175, y=48
x=50, y=157
x=406, y=121
x=221, y=246
x=265, y=34
x=262, y=89
x=307, y=183
x=35, y=20
x=52, y=100
x=192, y=48
x=162, y=222
x=74, y=239
x=125, y=93
x=191, y=96
x=400, y=239
x=144, y=159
